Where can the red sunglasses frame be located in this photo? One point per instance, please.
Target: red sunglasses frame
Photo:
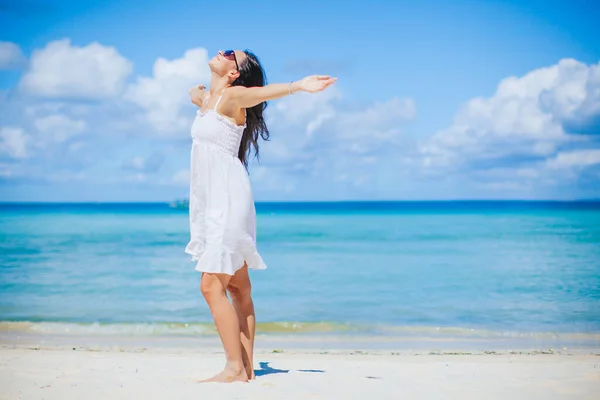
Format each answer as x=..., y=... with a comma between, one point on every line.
x=230, y=55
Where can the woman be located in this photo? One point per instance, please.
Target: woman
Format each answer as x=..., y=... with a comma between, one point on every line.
x=222, y=214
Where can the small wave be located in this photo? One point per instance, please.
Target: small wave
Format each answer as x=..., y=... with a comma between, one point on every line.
x=282, y=328
x=164, y=328
x=97, y=328
x=303, y=327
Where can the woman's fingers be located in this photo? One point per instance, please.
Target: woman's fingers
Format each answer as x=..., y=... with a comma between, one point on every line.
x=329, y=82
x=197, y=87
x=316, y=83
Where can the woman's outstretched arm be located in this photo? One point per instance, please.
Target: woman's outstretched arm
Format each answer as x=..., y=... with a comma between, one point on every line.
x=244, y=97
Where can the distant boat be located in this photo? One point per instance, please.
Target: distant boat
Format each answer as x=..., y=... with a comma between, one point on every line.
x=180, y=203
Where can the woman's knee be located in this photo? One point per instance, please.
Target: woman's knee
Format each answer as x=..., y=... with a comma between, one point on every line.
x=210, y=286
x=241, y=294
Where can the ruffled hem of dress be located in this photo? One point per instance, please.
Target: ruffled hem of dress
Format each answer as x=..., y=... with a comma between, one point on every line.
x=222, y=260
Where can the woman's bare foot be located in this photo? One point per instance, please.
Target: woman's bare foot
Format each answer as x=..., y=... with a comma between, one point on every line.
x=249, y=371
x=228, y=375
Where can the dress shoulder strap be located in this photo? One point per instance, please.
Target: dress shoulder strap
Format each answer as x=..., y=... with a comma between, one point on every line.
x=218, y=101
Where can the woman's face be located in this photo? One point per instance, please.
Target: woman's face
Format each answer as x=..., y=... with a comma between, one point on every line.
x=227, y=62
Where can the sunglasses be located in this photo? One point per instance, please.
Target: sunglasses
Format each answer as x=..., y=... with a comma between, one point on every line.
x=230, y=55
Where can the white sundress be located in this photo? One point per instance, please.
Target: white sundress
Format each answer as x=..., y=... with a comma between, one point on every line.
x=221, y=205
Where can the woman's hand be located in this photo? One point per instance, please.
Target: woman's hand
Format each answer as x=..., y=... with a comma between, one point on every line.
x=197, y=94
x=315, y=83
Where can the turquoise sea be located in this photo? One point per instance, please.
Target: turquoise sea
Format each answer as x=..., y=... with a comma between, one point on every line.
x=364, y=268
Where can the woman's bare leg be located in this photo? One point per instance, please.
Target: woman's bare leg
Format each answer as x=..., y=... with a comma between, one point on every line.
x=240, y=289
x=213, y=287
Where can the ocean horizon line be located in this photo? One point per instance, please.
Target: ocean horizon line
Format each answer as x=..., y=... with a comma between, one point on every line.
x=592, y=200
x=320, y=207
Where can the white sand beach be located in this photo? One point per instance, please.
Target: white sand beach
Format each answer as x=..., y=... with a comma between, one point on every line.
x=58, y=371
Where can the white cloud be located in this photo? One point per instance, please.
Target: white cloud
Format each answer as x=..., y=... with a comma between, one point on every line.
x=577, y=158
x=356, y=137
x=165, y=94
x=11, y=56
x=58, y=128
x=61, y=70
x=531, y=137
x=323, y=123
x=574, y=99
x=314, y=138
x=525, y=118
x=14, y=142
x=297, y=109
x=375, y=127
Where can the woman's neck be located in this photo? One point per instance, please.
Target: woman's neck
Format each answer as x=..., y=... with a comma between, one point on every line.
x=218, y=84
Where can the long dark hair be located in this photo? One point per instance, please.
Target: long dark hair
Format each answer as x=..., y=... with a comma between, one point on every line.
x=252, y=74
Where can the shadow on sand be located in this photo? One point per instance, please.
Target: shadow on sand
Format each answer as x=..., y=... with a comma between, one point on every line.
x=266, y=370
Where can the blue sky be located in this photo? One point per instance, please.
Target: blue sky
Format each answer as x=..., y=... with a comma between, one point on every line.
x=435, y=99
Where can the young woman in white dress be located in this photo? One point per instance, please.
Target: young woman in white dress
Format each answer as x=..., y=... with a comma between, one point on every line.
x=227, y=127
